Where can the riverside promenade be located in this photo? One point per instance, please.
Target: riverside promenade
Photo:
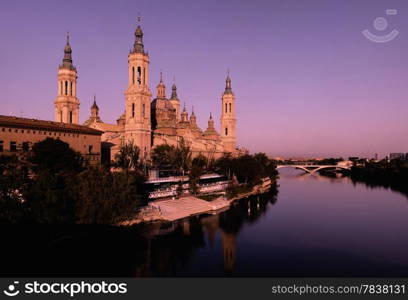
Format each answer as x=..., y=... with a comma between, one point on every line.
x=174, y=209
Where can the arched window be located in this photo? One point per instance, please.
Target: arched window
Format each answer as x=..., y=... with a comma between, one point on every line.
x=71, y=88
x=226, y=107
x=144, y=110
x=133, y=75
x=62, y=89
x=144, y=76
x=61, y=116
x=66, y=87
x=70, y=117
x=226, y=131
x=230, y=107
x=139, y=75
x=133, y=110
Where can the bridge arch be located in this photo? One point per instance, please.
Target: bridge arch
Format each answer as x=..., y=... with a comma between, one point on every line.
x=313, y=168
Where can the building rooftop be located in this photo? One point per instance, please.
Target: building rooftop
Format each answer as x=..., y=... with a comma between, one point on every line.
x=11, y=121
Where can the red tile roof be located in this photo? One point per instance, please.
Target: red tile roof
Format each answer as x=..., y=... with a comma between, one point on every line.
x=15, y=122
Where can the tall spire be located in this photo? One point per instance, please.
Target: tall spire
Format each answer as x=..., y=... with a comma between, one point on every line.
x=193, y=118
x=138, y=46
x=228, y=89
x=211, y=122
x=94, y=117
x=174, y=90
x=184, y=114
x=161, y=88
x=94, y=105
x=67, y=60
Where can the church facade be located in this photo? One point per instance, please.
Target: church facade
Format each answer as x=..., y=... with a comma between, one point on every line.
x=149, y=122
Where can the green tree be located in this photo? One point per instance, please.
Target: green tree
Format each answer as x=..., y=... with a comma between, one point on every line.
x=224, y=165
x=183, y=156
x=49, y=198
x=164, y=155
x=54, y=164
x=55, y=156
x=197, y=169
x=117, y=197
x=12, y=188
x=128, y=157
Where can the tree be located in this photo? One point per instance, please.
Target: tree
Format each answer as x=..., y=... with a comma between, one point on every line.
x=12, y=187
x=55, y=156
x=117, y=197
x=267, y=166
x=164, y=155
x=128, y=157
x=183, y=156
x=55, y=165
x=248, y=169
x=198, y=165
x=224, y=165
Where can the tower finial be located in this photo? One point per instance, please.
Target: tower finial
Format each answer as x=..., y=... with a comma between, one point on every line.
x=138, y=45
x=67, y=60
x=138, y=17
x=174, y=89
x=94, y=105
x=161, y=76
x=228, y=89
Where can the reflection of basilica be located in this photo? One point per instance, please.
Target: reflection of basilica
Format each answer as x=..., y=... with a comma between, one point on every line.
x=169, y=247
x=228, y=246
x=211, y=225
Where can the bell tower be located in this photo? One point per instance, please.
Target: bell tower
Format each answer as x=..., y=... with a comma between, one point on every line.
x=66, y=103
x=138, y=97
x=228, y=120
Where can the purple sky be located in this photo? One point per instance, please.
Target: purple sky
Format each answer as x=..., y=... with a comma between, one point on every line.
x=307, y=83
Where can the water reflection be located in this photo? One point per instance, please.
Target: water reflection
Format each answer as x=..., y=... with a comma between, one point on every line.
x=320, y=226
x=168, y=248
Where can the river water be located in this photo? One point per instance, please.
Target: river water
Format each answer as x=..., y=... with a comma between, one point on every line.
x=311, y=226
x=314, y=226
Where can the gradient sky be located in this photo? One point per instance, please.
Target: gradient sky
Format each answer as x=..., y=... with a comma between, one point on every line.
x=307, y=83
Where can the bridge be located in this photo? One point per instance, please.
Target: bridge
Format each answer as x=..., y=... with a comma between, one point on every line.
x=308, y=168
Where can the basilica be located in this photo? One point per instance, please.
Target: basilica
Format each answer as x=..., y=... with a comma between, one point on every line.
x=146, y=122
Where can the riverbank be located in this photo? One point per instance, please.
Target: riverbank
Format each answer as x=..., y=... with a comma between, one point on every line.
x=392, y=175
x=172, y=209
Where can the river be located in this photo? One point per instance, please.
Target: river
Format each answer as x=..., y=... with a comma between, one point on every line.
x=311, y=226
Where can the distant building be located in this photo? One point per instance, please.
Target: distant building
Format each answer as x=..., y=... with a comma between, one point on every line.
x=400, y=156
x=376, y=156
x=19, y=134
